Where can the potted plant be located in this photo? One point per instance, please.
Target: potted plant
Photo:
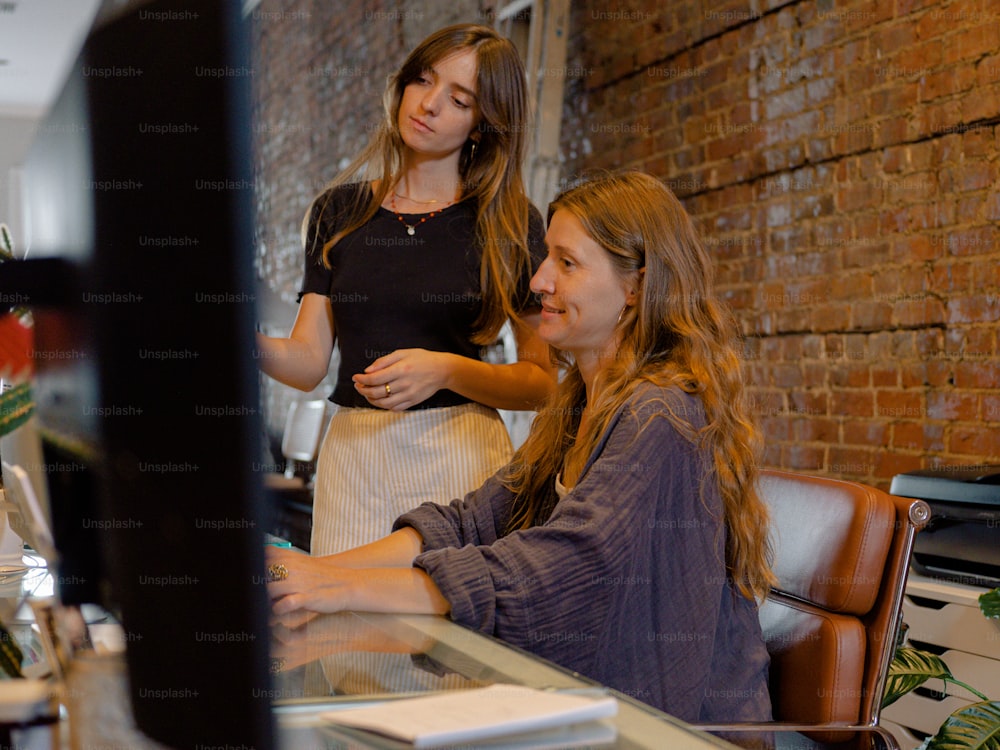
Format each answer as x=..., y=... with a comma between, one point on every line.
x=972, y=727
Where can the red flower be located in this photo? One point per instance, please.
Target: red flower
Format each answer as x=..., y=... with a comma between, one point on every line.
x=16, y=345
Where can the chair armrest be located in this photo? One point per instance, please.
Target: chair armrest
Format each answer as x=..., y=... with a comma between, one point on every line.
x=838, y=736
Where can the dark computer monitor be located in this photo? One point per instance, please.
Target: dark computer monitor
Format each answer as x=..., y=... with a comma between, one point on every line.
x=139, y=197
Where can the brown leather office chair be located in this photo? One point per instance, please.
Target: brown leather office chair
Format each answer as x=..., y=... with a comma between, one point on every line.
x=842, y=552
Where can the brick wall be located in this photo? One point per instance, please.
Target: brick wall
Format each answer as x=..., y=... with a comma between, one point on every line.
x=842, y=161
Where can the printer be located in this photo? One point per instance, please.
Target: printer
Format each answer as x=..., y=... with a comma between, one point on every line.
x=962, y=541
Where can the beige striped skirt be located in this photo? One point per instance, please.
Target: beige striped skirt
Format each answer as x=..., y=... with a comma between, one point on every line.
x=374, y=465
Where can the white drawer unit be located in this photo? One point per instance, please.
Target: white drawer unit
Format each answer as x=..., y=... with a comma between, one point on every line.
x=944, y=618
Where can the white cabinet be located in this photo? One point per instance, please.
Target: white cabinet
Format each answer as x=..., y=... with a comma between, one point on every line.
x=946, y=617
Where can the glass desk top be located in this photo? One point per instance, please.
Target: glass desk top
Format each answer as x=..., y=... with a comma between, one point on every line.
x=354, y=659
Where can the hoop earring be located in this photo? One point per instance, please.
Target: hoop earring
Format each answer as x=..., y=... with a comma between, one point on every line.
x=621, y=315
x=472, y=151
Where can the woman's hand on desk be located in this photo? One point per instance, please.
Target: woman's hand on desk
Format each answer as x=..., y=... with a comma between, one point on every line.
x=297, y=581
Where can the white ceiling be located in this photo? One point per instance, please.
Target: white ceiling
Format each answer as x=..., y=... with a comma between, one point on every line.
x=39, y=39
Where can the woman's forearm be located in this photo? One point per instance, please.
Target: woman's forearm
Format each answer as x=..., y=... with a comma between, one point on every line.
x=522, y=385
x=402, y=590
x=301, y=360
x=291, y=362
x=515, y=386
x=394, y=551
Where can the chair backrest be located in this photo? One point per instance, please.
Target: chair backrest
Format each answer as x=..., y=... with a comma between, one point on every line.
x=842, y=552
x=303, y=430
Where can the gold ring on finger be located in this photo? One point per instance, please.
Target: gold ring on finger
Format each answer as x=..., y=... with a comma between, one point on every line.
x=276, y=572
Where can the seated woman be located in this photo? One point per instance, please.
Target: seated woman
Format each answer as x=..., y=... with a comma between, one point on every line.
x=625, y=540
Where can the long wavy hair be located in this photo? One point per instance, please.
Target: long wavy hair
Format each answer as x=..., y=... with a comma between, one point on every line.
x=677, y=334
x=489, y=165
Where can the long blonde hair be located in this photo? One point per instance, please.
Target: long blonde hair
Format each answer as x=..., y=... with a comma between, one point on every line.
x=677, y=334
x=489, y=167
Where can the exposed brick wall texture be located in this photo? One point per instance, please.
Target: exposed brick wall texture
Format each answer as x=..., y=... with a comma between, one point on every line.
x=841, y=160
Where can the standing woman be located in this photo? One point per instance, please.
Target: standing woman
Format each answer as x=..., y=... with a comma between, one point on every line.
x=416, y=256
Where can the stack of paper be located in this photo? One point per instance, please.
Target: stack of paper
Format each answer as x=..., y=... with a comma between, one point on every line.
x=463, y=716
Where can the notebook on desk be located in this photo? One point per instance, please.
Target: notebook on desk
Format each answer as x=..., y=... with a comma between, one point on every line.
x=497, y=716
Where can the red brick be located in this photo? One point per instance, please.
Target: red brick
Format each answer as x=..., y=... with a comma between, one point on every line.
x=918, y=312
x=885, y=374
x=890, y=131
x=859, y=196
x=972, y=242
x=951, y=277
x=968, y=209
x=851, y=463
x=816, y=430
x=977, y=374
x=854, y=138
x=869, y=315
x=934, y=437
x=978, y=342
x=991, y=408
x=972, y=42
x=907, y=405
x=865, y=432
x=916, y=248
x=975, y=441
x=786, y=103
x=952, y=406
x=993, y=207
x=981, y=103
x=893, y=37
x=927, y=342
x=977, y=176
x=988, y=70
x=888, y=465
x=908, y=436
x=938, y=374
x=924, y=55
x=947, y=82
x=803, y=457
x=978, y=309
x=852, y=403
x=809, y=403
x=906, y=7
x=899, y=98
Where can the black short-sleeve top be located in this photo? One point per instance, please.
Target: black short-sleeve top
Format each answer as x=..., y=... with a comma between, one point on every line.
x=392, y=290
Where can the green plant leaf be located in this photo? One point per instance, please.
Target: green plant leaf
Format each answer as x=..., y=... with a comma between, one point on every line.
x=6, y=246
x=910, y=669
x=989, y=603
x=975, y=727
x=10, y=654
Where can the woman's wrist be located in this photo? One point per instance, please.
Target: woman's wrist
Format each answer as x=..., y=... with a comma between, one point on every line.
x=450, y=364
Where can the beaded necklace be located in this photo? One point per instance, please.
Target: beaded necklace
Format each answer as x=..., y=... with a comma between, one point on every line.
x=411, y=229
